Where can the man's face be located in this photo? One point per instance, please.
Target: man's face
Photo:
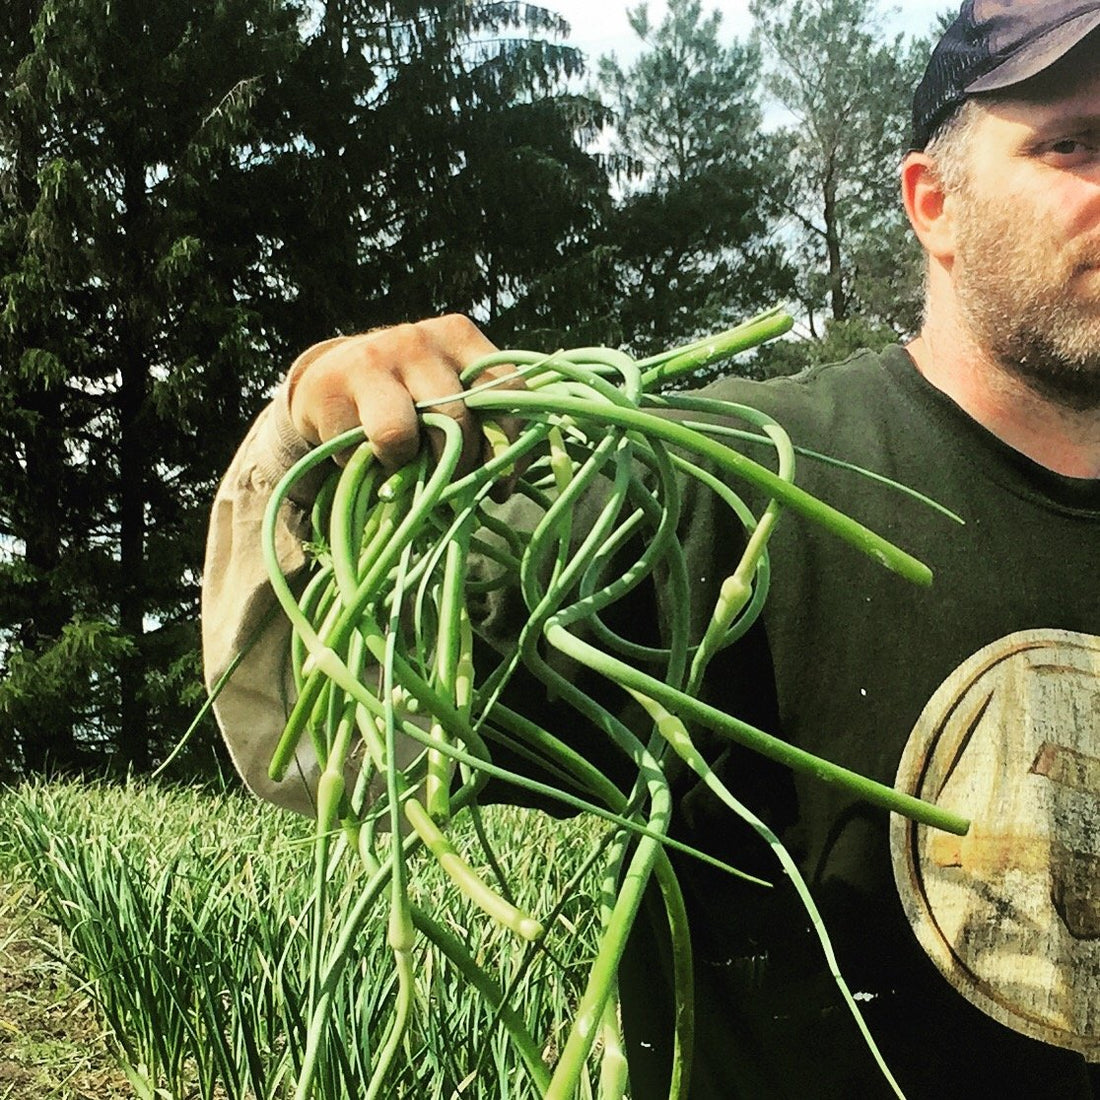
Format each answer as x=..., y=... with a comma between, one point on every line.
x=1027, y=260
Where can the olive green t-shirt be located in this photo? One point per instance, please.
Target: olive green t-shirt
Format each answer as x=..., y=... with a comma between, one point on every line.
x=858, y=666
x=849, y=657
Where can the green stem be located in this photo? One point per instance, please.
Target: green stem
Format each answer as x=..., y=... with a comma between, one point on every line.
x=745, y=734
x=844, y=527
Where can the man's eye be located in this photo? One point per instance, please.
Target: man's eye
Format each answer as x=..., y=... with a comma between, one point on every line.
x=1075, y=150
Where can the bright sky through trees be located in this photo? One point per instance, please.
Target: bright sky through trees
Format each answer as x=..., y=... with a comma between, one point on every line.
x=599, y=28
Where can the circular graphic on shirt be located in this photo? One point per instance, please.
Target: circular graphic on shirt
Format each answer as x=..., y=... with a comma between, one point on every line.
x=1010, y=913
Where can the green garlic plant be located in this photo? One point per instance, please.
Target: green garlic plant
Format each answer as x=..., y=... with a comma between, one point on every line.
x=404, y=723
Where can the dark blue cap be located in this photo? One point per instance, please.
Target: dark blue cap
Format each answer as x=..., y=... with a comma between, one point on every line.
x=995, y=44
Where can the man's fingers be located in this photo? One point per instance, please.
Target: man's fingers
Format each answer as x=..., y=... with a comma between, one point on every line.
x=385, y=379
x=389, y=418
x=453, y=343
x=433, y=385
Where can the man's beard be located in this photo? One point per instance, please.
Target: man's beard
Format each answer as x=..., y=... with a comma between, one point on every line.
x=1025, y=305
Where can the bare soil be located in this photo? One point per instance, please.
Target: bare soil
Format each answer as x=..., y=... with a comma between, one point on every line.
x=52, y=1045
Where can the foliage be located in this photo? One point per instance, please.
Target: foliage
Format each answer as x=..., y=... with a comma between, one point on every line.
x=126, y=278
x=691, y=229
x=40, y=687
x=845, y=94
x=52, y=1046
x=189, y=195
x=188, y=915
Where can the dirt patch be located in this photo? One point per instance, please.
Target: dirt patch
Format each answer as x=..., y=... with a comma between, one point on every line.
x=52, y=1046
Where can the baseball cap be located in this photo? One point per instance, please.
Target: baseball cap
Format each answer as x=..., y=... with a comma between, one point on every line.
x=995, y=44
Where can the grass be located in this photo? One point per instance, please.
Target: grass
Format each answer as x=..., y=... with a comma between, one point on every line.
x=186, y=917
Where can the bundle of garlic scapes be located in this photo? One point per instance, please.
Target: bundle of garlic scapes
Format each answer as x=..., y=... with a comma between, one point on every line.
x=383, y=657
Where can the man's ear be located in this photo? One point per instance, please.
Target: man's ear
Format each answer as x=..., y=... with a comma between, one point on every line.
x=930, y=213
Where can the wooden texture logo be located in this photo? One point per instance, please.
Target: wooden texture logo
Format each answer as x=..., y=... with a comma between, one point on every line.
x=1010, y=913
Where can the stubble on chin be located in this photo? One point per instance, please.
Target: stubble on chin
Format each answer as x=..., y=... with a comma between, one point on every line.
x=1033, y=309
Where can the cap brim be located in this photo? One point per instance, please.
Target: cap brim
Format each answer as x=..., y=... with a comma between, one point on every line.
x=1038, y=55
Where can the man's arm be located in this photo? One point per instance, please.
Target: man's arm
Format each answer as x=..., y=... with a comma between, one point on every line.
x=374, y=380
x=239, y=612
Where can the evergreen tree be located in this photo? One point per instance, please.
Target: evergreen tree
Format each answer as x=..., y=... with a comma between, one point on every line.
x=844, y=92
x=692, y=229
x=188, y=196
x=127, y=338
x=488, y=190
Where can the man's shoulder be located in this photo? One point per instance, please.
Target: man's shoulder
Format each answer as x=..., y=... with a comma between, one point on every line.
x=864, y=370
x=821, y=397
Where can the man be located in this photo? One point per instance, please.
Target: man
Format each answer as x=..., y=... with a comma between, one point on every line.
x=976, y=961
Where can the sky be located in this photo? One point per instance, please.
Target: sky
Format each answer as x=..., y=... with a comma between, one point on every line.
x=600, y=26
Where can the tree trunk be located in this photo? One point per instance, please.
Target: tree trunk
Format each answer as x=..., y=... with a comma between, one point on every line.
x=133, y=736
x=838, y=299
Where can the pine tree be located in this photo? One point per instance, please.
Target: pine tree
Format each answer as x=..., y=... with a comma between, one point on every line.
x=843, y=90
x=128, y=317
x=188, y=196
x=692, y=228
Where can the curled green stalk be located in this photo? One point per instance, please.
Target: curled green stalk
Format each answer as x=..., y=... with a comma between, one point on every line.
x=383, y=652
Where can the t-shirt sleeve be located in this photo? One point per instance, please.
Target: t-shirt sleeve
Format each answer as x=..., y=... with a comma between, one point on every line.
x=240, y=620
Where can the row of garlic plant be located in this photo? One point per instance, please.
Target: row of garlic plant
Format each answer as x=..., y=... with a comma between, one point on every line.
x=187, y=919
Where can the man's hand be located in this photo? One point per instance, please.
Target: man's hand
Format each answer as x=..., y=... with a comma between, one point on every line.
x=377, y=379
